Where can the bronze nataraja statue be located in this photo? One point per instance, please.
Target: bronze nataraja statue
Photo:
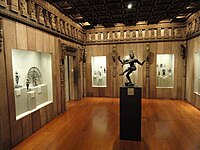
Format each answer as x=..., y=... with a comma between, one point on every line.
x=131, y=61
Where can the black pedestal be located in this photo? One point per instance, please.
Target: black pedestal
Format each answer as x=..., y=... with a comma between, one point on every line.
x=130, y=113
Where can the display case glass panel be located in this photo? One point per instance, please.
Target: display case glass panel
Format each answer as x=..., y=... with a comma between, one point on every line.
x=32, y=78
x=98, y=71
x=197, y=73
x=165, y=71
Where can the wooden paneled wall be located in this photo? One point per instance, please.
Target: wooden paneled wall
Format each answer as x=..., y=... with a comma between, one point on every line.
x=19, y=36
x=193, y=46
x=139, y=76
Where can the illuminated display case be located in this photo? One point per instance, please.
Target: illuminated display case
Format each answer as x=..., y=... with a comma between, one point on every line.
x=32, y=77
x=197, y=73
x=99, y=71
x=165, y=71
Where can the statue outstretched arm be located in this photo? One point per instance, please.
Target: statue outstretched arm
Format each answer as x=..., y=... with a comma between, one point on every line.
x=140, y=62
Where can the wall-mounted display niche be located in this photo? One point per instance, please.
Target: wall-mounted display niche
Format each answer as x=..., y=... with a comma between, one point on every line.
x=165, y=71
x=98, y=71
x=197, y=73
x=32, y=77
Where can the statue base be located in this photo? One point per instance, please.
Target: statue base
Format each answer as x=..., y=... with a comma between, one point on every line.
x=130, y=113
x=18, y=86
x=129, y=84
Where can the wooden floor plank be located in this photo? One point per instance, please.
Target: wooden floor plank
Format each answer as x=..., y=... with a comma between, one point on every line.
x=93, y=124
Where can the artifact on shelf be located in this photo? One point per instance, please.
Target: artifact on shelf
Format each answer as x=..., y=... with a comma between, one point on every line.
x=131, y=61
x=34, y=76
x=17, y=80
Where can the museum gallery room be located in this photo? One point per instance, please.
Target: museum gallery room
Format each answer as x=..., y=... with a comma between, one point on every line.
x=100, y=74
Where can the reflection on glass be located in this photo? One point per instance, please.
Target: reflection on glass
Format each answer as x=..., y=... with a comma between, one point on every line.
x=98, y=71
x=197, y=73
x=165, y=70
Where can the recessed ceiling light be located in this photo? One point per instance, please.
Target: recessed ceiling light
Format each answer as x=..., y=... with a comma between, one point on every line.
x=130, y=6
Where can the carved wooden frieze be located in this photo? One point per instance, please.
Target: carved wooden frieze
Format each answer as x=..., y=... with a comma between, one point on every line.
x=53, y=21
x=134, y=34
x=3, y=3
x=146, y=33
x=121, y=35
x=152, y=33
x=99, y=36
x=178, y=32
x=46, y=18
x=1, y=34
x=105, y=36
x=110, y=36
x=166, y=33
x=140, y=34
x=93, y=37
x=58, y=24
x=172, y=32
x=13, y=4
x=40, y=15
x=159, y=33
x=32, y=10
x=128, y=35
x=62, y=27
x=23, y=8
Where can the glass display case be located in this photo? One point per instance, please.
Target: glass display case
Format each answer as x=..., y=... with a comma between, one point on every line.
x=98, y=71
x=197, y=73
x=32, y=77
x=165, y=71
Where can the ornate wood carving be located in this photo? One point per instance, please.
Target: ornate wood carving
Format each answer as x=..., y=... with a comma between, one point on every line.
x=53, y=21
x=152, y=33
x=40, y=15
x=92, y=36
x=140, y=34
x=13, y=5
x=110, y=36
x=134, y=34
x=1, y=35
x=114, y=58
x=32, y=10
x=105, y=36
x=3, y=3
x=62, y=27
x=146, y=33
x=46, y=18
x=159, y=33
x=23, y=8
x=172, y=32
x=116, y=35
x=121, y=35
x=166, y=33
x=99, y=36
x=128, y=35
x=58, y=24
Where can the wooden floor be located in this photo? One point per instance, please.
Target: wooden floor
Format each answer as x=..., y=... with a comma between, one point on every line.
x=93, y=124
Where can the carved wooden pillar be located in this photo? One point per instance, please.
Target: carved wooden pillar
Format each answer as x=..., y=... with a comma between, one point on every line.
x=32, y=10
x=116, y=35
x=178, y=32
x=184, y=58
x=1, y=35
x=84, y=72
x=3, y=3
x=114, y=70
x=93, y=37
x=40, y=15
x=147, y=71
x=53, y=21
x=172, y=32
x=99, y=36
x=62, y=29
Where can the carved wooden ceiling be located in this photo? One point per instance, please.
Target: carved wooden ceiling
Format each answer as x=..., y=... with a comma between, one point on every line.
x=108, y=13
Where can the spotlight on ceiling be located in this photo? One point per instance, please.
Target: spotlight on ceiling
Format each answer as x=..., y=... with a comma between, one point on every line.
x=130, y=6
